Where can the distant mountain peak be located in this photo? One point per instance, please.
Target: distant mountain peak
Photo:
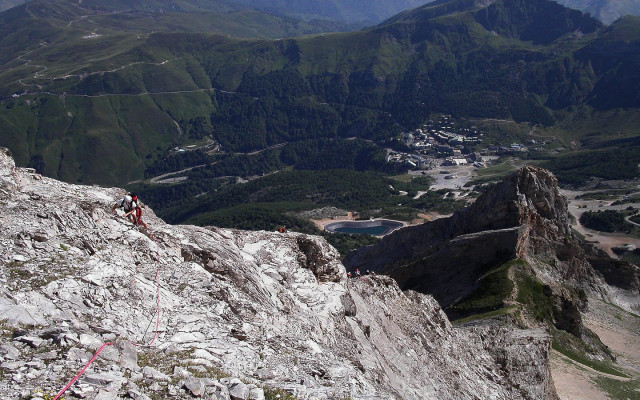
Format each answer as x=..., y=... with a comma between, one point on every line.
x=606, y=11
x=538, y=21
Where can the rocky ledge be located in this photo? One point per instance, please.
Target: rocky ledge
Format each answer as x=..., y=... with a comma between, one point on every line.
x=189, y=312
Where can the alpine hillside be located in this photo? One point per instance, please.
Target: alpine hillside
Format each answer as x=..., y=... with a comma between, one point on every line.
x=352, y=12
x=357, y=12
x=75, y=84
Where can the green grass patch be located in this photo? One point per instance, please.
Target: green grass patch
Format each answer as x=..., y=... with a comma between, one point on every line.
x=577, y=350
x=501, y=170
x=497, y=172
x=401, y=178
x=494, y=288
x=486, y=315
x=18, y=270
x=536, y=297
x=619, y=389
x=46, y=396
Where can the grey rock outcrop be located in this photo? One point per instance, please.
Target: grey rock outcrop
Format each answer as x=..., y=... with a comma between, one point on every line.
x=191, y=312
x=526, y=217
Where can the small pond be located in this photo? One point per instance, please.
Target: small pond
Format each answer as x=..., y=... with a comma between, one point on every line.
x=377, y=227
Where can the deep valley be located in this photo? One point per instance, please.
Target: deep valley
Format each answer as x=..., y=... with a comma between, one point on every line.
x=500, y=138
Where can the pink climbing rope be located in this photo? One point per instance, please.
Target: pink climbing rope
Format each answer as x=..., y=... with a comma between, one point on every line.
x=155, y=335
x=75, y=378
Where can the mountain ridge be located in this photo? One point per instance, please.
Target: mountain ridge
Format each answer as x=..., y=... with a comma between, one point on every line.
x=511, y=255
x=607, y=11
x=520, y=221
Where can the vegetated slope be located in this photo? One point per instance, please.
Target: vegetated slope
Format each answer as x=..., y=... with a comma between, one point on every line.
x=355, y=12
x=606, y=11
x=214, y=16
x=98, y=108
x=604, y=159
x=180, y=310
x=617, y=51
x=350, y=12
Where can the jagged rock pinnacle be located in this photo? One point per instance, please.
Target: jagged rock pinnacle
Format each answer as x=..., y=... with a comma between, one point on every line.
x=523, y=217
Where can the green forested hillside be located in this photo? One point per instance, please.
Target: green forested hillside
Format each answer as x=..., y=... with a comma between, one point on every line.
x=339, y=13
x=102, y=105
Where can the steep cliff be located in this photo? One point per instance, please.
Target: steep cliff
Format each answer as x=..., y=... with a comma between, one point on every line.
x=518, y=231
x=184, y=311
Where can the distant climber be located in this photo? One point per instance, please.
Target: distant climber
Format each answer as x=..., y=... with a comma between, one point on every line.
x=126, y=203
x=136, y=211
x=139, y=220
x=282, y=229
x=135, y=214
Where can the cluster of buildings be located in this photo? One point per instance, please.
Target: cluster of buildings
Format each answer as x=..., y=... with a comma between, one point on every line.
x=442, y=142
x=210, y=147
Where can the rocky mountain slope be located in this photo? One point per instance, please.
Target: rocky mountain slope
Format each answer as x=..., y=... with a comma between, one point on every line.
x=184, y=311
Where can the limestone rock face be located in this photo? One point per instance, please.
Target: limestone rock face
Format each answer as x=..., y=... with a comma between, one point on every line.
x=525, y=216
x=524, y=208
x=189, y=312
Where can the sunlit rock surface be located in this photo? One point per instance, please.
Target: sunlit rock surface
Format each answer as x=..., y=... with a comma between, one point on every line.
x=191, y=312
